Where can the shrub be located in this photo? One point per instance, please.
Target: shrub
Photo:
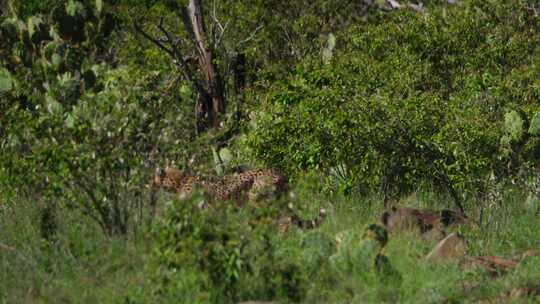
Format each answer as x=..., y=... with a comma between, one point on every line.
x=413, y=98
x=76, y=131
x=224, y=254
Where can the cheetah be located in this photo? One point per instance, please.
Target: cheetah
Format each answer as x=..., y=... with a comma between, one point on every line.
x=252, y=184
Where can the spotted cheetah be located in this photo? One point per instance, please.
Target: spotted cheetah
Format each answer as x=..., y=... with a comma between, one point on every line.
x=251, y=184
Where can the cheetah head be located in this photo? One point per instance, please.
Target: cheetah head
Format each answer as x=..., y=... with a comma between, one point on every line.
x=167, y=178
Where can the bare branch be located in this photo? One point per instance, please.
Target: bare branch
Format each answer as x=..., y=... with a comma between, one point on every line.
x=173, y=51
x=211, y=101
x=176, y=53
x=173, y=42
x=153, y=40
x=218, y=40
x=214, y=16
x=193, y=22
x=251, y=36
x=222, y=29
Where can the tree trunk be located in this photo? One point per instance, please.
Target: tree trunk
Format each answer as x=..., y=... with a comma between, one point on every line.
x=211, y=101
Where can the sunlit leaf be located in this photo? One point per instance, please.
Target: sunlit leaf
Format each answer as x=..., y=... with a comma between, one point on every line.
x=99, y=5
x=33, y=24
x=225, y=155
x=70, y=121
x=71, y=7
x=6, y=83
x=514, y=125
x=535, y=125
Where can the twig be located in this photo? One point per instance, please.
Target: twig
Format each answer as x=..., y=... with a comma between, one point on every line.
x=218, y=40
x=252, y=35
x=223, y=29
x=153, y=40
x=174, y=50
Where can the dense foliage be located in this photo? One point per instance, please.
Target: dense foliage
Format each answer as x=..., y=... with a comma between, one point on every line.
x=76, y=128
x=409, y=99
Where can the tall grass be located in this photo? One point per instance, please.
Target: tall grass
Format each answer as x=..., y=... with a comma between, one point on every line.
x=78, y=264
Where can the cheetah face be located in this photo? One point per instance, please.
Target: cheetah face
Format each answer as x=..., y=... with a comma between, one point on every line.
x=169, y=179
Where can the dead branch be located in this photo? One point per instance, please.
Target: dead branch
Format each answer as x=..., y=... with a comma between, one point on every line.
x=251, y=36
x=158, y=43
x=194, y=24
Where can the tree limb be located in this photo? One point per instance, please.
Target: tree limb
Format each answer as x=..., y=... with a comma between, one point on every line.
x=158, y=43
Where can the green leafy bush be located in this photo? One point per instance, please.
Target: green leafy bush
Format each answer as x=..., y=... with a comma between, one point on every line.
x=219, y=248
x=414, y=98
x=228, y=254
x=77, y=131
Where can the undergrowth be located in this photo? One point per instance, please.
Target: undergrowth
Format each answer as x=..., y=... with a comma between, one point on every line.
x=225, y=255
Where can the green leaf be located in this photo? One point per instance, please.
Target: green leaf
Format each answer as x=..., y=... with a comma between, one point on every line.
x=56, y=60
x=514, y=124
x=331, y=41
x=33, y=24
x=535, y=125
x=99, y=5
x=327, y=55
x=6, y=82
x=220, y=170
x=225, y=155
x=71, y=8
x=53, y=106
x=70, y=121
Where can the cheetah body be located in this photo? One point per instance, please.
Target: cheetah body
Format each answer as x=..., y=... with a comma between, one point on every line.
x=251, y=184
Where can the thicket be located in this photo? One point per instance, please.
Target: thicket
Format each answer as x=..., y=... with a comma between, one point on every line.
x=92, y=104
x=446, y=97
x=77, y=130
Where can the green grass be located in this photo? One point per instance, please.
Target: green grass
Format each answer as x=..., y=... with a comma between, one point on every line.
x=81, y=265
x=514, y=228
